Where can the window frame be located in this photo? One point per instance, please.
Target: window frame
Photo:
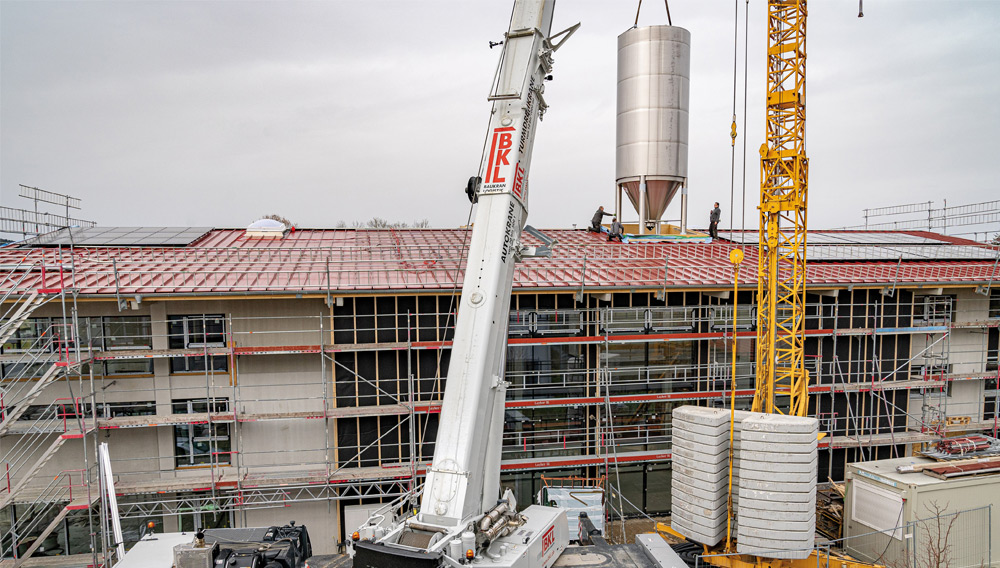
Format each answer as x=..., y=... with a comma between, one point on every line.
x=218, y=455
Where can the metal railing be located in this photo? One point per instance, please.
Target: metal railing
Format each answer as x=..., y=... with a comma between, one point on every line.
x=32, y=518
x=26, y=222
x=21, y=458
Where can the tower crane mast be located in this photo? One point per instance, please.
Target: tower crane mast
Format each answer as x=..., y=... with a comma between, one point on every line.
x=783, y=196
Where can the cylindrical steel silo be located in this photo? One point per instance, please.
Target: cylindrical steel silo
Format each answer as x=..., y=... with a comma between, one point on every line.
x=654, y=70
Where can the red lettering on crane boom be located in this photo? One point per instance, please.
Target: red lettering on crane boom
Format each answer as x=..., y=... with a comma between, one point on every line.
x=499, y=149
x=518, y=181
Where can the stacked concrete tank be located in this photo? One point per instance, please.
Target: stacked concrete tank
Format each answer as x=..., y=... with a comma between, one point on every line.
x=700, y=482
x=778, y=468
x=774, y=461
x=654, y=70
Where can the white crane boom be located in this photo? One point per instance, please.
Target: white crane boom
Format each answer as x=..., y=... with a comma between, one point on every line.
x=460, y=516
x=464, y=478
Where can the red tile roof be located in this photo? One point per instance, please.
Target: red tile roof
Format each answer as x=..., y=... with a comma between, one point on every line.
x=226, y=261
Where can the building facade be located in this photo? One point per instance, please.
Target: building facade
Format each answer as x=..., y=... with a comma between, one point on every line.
x=245, y=381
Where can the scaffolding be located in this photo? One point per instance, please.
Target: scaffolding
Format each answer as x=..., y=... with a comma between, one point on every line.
x=357, y=377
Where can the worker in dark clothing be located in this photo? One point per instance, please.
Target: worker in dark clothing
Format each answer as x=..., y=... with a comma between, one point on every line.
x=713, y=221
x=616, y=230
x=595, y=222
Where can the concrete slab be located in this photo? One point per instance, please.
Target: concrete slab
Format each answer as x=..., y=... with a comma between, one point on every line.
x=748, y=494
x=779, y=437
x=704, y=466
x=780, y=423
x=702, y=415
x=775, y=457
x=689, y=438
x=767, y=552
x=711, y=495
x=718, y=484
x=779, y=486
x=702, y=429
x=790, y=530
x=766, y=516
x=707, y=447
x=804, y=477
x=781, y=467
x=699, y=456
x=710, y=513
x=696, y=473
x=706, y=525
x=713, y=503
x=784, y=448
x=777, y=506
x=693, y=533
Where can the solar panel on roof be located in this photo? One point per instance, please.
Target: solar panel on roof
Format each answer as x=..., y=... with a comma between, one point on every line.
x=120, y=236
x=853, y=238
x=907, y=252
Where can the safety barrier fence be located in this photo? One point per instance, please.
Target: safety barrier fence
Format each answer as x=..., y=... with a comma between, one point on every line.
x=957, y=540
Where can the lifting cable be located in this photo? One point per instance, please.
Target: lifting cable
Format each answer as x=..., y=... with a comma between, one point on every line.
x=746, y=46
x=465, y=240
x=732, y=131
x=666, y=3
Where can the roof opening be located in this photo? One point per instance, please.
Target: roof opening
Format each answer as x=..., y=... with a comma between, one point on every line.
x=267, y=229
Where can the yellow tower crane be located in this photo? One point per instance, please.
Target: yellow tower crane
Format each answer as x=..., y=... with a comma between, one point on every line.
x=784, y=179
x=782, y=381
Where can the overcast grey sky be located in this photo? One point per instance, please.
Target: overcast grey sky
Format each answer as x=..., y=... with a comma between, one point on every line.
x=214, y=113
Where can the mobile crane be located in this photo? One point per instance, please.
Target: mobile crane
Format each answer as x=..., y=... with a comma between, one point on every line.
x=462, y=516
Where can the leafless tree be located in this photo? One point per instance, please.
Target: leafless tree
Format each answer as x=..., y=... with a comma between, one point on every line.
x=380, y=223
x=280, y=219
x=934, y=541
x=937, y=549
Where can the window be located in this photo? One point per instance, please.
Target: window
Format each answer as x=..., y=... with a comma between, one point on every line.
x=48, y=335
x=129, y=367
x=992, y=349
x=197, y=332
x=201, y=444
x=933, y=310
x=187, y=332
x=25, y=370
x=61, y=409
x=127, y=332
x=120, y=409
x=29, y=336
x=994, y=304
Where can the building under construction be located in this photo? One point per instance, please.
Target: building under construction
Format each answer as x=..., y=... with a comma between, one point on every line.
x=242, y=377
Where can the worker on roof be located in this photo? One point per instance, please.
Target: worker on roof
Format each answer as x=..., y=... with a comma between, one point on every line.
x=595, y=222
x=616, y=230
x=713, y=221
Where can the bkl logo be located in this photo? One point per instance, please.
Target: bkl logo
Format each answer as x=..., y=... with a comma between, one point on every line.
x=548, y=539
x=518, y=182
x=503, y=140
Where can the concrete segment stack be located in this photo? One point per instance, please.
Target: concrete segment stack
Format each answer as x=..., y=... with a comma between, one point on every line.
x=777, y=495
x=700, y=478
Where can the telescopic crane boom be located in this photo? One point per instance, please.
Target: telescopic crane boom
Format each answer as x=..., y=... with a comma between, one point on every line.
x=460, y=517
